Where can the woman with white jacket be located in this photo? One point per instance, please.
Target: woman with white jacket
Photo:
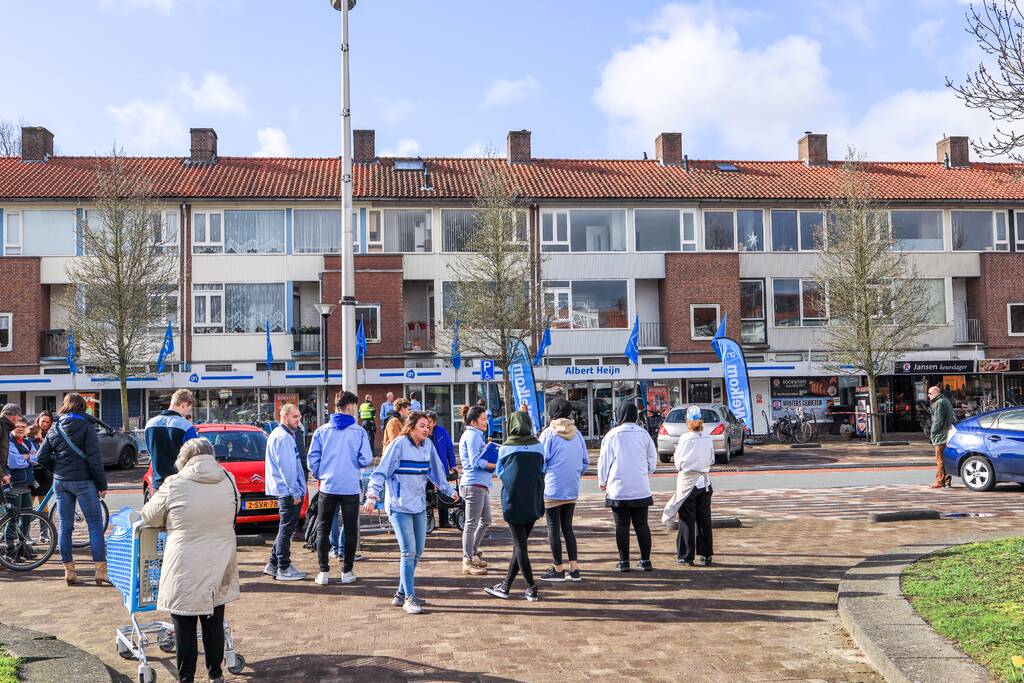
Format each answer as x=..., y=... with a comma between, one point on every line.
x=197, y=507
x=695, y=454
x=628, y=458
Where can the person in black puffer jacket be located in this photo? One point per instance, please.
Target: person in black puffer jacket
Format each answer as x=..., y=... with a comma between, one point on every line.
x=71, y=450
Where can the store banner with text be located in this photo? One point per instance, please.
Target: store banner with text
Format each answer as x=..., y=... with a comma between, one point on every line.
x=520, y=371
x=734, y=373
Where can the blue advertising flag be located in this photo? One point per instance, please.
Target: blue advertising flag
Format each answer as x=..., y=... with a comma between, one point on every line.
x=360, y=342
x=166, y=349
x=270, y=349
x=734, y=370
x=524, y=388
x=545, y=342
x=632, y=351
x=71, y=353
x=456, y=351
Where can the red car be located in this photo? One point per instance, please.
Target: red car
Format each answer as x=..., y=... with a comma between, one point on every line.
x=241, y=450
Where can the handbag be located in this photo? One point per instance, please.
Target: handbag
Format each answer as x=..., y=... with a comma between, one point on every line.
x=71, y=444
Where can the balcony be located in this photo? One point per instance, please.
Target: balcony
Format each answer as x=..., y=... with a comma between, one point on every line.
x=419, y=336
x=53, y=344
x=650, y=335
x=306, y=342
x=967, y=331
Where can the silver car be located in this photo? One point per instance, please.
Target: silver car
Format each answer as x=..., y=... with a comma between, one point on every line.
x=720, y=424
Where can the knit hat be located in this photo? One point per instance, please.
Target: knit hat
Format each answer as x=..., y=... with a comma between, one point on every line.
x=559, y=408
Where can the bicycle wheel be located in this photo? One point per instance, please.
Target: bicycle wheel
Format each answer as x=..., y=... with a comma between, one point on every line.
x=803, y=432
x=80, y=534
x=27, y=540
x=781, y=431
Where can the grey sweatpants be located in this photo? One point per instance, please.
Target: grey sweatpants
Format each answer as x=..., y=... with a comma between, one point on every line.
x=478, y=518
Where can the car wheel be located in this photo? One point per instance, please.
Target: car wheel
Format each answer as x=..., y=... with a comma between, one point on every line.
x=127, y=458
x=665, y=459
x=978, y=473
x=145, y=495
x=724, y=458
x=742, y=446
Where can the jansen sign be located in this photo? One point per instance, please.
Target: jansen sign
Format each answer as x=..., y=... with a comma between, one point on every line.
x=937, y=367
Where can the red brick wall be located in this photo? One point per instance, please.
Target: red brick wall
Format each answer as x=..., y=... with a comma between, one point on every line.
x=26, y=303
x=987, y=297
x=378, y=282
x=697, y=279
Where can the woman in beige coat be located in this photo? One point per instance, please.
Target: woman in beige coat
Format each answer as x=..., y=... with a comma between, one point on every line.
x=197, y=507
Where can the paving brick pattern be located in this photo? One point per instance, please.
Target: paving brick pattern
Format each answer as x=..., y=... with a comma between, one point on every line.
x=766, y=611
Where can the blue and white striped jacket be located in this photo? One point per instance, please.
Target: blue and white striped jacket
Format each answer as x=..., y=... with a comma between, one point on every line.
x=404, y=470
x=165, y=435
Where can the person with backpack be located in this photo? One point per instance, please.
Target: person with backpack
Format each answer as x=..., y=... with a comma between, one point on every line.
x=71, y=450
x=565, y=461
x=339, y=450
x=407, y=466
x=392, y=426
x=167, y=432
x=285, y=480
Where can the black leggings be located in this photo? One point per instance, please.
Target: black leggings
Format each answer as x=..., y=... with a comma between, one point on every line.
x=326, y=511
x=520, y=557
x=186, y=645
x=638, y=518
x=559, y=520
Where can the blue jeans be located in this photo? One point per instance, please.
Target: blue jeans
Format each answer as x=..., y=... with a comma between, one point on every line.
x=281, y=552
x=411, y=530
x=84, y=493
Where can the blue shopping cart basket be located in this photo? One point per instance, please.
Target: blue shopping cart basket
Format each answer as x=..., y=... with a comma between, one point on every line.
x=134, y=556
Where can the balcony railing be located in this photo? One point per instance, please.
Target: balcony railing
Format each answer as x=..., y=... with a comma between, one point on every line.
x=967, y=331
x=419, y=336
x=650, y=335
x=53, y=344
x=306, y=343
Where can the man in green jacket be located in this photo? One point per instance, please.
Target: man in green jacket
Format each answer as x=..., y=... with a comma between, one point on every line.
x=942, y=420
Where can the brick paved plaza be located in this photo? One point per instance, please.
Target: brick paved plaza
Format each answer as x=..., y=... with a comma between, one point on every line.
x=765, y=611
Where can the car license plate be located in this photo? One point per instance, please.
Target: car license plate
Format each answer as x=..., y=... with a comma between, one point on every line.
x=259, y=504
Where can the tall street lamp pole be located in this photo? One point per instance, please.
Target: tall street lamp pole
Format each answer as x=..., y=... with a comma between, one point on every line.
x=348, y=278
x=324, y=309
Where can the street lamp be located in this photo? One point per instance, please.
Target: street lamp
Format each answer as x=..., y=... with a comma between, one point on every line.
x=348, y=279
x=325, y=311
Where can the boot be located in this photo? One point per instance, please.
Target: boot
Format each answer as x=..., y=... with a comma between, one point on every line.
x=69, y=573
x=101, y=574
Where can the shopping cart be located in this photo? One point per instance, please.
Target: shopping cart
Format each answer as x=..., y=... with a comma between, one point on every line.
x=134, y=556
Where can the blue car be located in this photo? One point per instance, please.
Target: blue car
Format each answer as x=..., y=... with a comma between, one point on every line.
x=987, y=449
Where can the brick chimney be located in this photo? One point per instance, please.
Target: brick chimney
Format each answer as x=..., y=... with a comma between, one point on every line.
x=204, y=146
x=813, y=149
x=36, y=143
x=957, y=149
x=364, y=146
x=519, y=146
x=668, y=148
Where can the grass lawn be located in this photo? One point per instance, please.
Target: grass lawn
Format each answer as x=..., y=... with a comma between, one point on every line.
x=8, y=668
x=973, y=595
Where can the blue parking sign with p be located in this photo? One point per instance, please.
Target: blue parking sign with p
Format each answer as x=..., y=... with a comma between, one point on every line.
x=487, y=370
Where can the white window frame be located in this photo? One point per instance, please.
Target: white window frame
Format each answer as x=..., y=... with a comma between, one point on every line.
x=370, y=340
x=801, y=280
x=1018, y=228
x=10, y=332
x=718, y=317
x=375, y=246
x=770, y=233
x=166, y=241
x=208, y=295
x=207, y=242
x=1009, y=330
x=554, y=241
x=693, y=243
x=764, y=309
x=998, y=245
x=703, y=235
x=942, y=226
x=12, y=248
x=556, y=293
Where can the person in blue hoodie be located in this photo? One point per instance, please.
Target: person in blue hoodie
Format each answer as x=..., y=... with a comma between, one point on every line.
x=408, y=463
x=442, y=441
x=284, y=479
x=166, y=433
x=475, y=488
x=339, y=450
x=565, y=461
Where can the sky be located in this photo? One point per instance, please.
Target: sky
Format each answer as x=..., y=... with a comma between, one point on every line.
x=589, y=78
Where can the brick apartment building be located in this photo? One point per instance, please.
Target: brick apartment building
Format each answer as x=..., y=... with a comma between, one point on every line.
x=678, y=242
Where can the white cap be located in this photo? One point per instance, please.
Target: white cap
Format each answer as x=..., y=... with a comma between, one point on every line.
x=693, y=413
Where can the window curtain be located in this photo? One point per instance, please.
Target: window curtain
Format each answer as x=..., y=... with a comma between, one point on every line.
x=406, y=231
x=458, y=227
x=317, y=231
x=49, y=232
x=254, y=232
x=250, y=306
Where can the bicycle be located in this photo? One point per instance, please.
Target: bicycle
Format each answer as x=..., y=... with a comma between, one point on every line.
x=28, y=538
x=789, y=427
x=80, y=534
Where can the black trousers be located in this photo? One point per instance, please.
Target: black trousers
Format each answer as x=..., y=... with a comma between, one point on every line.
x=637, y=516
x=187, y=649
x=520, y=556
x=281, y=552
x=559, y=519
x=326, y=511
x=694, y=535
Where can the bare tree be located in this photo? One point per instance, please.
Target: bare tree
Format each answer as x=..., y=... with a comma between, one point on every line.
x=496, y=287
x=124, y=283
x=876, y=303
x=998, y=28
x=10, y=139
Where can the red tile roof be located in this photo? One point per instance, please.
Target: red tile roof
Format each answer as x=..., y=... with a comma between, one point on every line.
x=454, y=178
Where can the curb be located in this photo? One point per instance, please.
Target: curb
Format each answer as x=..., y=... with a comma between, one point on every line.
x=905, y=515
x=45, y=659
x=898, y=643
x=716, y=523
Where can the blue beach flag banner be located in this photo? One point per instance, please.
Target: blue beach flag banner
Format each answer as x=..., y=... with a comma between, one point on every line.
x=456, y=351
x=71, y=353
x=360, y=342
x=166, y=349
x=545, y=342
x=734, y=370
x=524, y=388
x=270, y=349
x=632, y=351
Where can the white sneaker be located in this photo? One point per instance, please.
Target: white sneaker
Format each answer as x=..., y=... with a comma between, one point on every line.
x=322, y=578
x=348, y=577
x=290, y=574
x=411, y=606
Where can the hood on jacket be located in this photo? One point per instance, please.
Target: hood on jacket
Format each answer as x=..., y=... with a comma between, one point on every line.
x=67, y=419
x=626, y=413
x=520, y=430
x=342, y=420
x=203, y=469
x=564, y=427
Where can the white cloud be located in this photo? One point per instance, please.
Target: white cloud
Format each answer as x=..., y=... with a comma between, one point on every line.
x=506, y=91
x=406, y=147
x=215, y=93
x=150, y=127
x=397, y=110
x=164, y=6
x=925, y=36
x=273, y=143
x=477, y=149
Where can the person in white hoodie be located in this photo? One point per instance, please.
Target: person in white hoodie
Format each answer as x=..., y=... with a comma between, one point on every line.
x=695, y=454
x=627, y=460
